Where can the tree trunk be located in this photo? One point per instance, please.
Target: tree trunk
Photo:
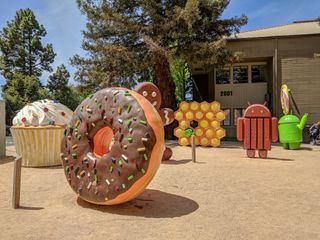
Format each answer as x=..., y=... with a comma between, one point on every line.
x=30, y=56
x=166, y=86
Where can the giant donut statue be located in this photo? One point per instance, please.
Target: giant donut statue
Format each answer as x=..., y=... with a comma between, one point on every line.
x=152, y=93
x=113, y=146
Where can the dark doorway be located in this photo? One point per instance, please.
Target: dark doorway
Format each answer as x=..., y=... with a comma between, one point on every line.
x=200, y=87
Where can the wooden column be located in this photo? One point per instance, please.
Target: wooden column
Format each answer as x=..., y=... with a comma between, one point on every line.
x=16, y=183
x=2, y=129
x=193, y=146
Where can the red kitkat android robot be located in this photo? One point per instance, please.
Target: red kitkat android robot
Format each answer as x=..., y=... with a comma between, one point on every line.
x=257, y=129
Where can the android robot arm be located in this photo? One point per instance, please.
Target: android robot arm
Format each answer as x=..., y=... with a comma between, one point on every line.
x=240, y=122
x=303, y=121
x=274, y=129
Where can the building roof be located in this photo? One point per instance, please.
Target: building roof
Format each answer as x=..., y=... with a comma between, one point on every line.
x=294, y=29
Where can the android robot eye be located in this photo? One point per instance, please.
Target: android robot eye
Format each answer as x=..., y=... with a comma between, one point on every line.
x=194, y=123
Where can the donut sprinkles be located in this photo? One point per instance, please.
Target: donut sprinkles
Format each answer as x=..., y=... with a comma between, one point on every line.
x=112, y=147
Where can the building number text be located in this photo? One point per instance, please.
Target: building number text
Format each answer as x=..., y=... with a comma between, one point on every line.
x=225, y=93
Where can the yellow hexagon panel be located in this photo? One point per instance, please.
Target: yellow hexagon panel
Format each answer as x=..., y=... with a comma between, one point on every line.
x=196, y=141
x=184, y=124
x=215, y=106
x=178, y=132
x=189, y=116
x=198, y=132
x=204, y=106
x=184, y=106
x=215, y=142
x=204, y=123
x=210, y=115
x=206, y=118
x=178, y=115
x=184, y=141
x=194, y=106
x=220, y=133
x=215, y=124
x=204, y=141
x=220, y=116
x=210, y=133
x=199, y=115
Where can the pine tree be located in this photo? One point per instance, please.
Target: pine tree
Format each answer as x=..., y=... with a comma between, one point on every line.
x=19, y=91
x=21, y=48
x=181, y=76
x=128, y=40
x=23, y=58
x=58, y=82
x=58, y=86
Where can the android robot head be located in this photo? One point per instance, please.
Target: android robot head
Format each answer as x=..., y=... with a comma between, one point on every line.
x=257, y=111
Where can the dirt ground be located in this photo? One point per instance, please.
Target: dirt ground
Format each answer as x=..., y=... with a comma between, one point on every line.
x=223, y=196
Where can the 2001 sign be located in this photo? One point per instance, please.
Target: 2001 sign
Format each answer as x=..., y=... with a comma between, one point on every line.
x=225, y=93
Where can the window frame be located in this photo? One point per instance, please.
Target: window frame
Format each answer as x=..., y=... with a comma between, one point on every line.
x=224, y=68
x=266, y=73
x=234, y=115
x=227, y=115
x=248, y=73
x=248, y=64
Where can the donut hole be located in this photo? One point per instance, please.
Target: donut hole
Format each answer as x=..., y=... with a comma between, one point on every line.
x=102, y=141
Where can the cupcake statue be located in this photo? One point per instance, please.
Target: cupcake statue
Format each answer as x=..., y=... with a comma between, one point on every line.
x=37, y=132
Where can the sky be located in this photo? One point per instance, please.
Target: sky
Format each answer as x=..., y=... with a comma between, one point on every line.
x=64, y=22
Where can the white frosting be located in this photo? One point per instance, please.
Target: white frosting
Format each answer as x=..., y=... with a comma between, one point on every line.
x=43, y=113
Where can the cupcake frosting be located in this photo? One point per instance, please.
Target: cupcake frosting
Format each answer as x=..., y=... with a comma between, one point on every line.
x=42, y=113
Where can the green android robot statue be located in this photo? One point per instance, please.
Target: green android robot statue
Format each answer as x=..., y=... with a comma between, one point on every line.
x=290, y=127
x=290, y=131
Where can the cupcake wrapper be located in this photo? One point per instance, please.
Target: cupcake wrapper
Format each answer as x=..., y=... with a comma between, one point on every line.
x=39, y=147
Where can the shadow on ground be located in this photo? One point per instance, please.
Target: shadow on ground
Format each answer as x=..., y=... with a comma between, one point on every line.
x=176, y=162
x=172, y=144
x=270, y=158
x=150, y=204
x=280, y=159
x=230, y=146
x=181, y=161
x=306, y=148
x=47, y=168
x=4, y=160
x=30, y=208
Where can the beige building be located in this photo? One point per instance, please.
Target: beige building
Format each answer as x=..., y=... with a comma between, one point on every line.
x=269, y=57
x=2, y=129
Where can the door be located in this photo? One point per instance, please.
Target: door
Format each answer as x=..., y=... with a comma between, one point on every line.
x=200, y=87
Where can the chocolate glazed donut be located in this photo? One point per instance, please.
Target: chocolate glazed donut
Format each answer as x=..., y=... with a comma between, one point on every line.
x=112, y=147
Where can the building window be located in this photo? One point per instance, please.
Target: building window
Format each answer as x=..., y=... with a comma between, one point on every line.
x=238, y=112
x=227, y=120
x=258, y=73
x=240, y=74
x=223, y=76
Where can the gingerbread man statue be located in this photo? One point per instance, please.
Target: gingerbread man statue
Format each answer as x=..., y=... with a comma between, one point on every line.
x=153, y=95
